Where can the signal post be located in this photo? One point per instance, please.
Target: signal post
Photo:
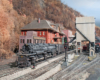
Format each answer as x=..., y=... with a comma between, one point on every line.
x=65, y=46
x=65, y=64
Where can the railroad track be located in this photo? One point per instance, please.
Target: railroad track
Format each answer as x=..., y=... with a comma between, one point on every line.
x=39, y=72
x=77, y=63
x=80, y=69
x=6, y=71
x=82, y=72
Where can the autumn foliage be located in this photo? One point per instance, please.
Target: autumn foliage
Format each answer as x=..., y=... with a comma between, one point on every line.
x=15, y=14
x=9, y=29
x=52, y=10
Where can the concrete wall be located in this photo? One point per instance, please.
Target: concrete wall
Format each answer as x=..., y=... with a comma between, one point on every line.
x=86, y=27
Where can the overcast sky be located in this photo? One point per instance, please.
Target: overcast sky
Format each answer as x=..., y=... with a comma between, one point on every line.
x=86, y=7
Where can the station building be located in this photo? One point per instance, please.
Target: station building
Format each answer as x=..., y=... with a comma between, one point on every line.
x=41, y=31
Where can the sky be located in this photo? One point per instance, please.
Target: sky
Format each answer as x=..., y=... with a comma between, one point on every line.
x=86, y=8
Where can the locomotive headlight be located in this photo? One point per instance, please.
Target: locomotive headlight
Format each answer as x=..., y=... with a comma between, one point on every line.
x=21, y=56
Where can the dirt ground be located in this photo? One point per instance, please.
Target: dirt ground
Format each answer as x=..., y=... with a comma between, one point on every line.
x=7, y=61
x=91, y=74
x=94, y=73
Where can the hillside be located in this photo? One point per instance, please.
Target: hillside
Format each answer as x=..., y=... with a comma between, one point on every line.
x=15, y=14
x=52, y=10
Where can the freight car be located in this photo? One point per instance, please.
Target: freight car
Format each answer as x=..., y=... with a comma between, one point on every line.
x=31, y=53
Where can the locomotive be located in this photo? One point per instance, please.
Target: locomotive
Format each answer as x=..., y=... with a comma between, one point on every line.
x=31, y=53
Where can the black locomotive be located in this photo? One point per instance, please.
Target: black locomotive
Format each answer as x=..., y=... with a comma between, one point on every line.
x=31, y=53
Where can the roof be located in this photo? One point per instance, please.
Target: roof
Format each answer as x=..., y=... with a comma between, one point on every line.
x=85, y=20
x=44, y=24
x=35, y=25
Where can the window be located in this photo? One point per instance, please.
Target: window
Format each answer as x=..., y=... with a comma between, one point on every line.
x=40, y=33
x=40, y=41
x=30, y=40
x=78, y=43
x=23, y=41
x=55, y=40
x=43, y=41
x=27, y=40
x=43, y=33
x=24, y=33
x=35, y=41
x=21, y=33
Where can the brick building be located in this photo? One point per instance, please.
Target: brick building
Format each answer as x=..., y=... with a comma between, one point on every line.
x=46, y=29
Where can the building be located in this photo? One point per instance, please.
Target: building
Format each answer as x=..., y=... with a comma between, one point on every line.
x=69, y=34
x=85, y=31
x=52, y=33
x=30, y=37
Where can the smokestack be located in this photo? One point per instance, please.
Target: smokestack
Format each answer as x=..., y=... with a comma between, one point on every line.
x=39, y=20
